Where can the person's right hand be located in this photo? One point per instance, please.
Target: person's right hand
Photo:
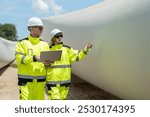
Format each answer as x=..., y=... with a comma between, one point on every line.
x=37, y=57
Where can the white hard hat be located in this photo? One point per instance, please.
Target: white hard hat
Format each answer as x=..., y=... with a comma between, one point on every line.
x=34, y=21
x=54, y=32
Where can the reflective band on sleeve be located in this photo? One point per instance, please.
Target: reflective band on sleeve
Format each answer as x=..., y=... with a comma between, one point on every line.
x=61, y=66
x=31, y=77
x=23, y=57
x=19, y=53
x=58, y=82
x=77, y=58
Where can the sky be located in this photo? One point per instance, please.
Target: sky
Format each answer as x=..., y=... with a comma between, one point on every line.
x=18, y=12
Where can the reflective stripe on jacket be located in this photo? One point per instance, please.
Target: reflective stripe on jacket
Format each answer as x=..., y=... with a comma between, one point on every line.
x=28, y=68
x=60, y=71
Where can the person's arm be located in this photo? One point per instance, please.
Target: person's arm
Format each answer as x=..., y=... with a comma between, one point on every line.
x=76, y=55
x=21, y=56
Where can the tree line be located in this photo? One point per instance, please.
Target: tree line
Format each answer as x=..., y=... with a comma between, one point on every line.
x=8, y=31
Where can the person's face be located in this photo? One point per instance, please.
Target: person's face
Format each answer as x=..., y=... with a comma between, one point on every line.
x=36, y=31
x=58, y=39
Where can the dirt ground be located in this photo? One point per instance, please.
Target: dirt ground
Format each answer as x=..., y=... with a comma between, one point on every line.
x=79, y=89
x=8, y=85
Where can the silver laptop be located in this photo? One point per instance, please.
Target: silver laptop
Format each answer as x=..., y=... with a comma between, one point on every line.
x=50, y=55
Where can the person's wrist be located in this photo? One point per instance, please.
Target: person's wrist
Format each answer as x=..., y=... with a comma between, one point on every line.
x=34, y=58
x=86, y=49
x=47, y=65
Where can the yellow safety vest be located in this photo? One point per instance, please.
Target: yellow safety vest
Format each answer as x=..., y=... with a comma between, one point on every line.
x=60, y=71
x=28, y=67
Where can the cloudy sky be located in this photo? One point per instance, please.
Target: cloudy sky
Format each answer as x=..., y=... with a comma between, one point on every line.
x=18, y=12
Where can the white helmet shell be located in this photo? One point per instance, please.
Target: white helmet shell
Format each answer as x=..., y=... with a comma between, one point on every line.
x=54, y=32
x=34, y=21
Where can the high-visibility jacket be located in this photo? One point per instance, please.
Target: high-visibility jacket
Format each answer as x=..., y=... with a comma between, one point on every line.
x=60, y=71
x=28, y=67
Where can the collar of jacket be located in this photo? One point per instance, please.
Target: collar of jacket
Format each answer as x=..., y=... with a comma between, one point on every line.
x=57, y=46
x=33, y=40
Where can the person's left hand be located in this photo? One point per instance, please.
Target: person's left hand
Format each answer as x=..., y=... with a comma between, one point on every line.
x=47, y=63
x=89, y=46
